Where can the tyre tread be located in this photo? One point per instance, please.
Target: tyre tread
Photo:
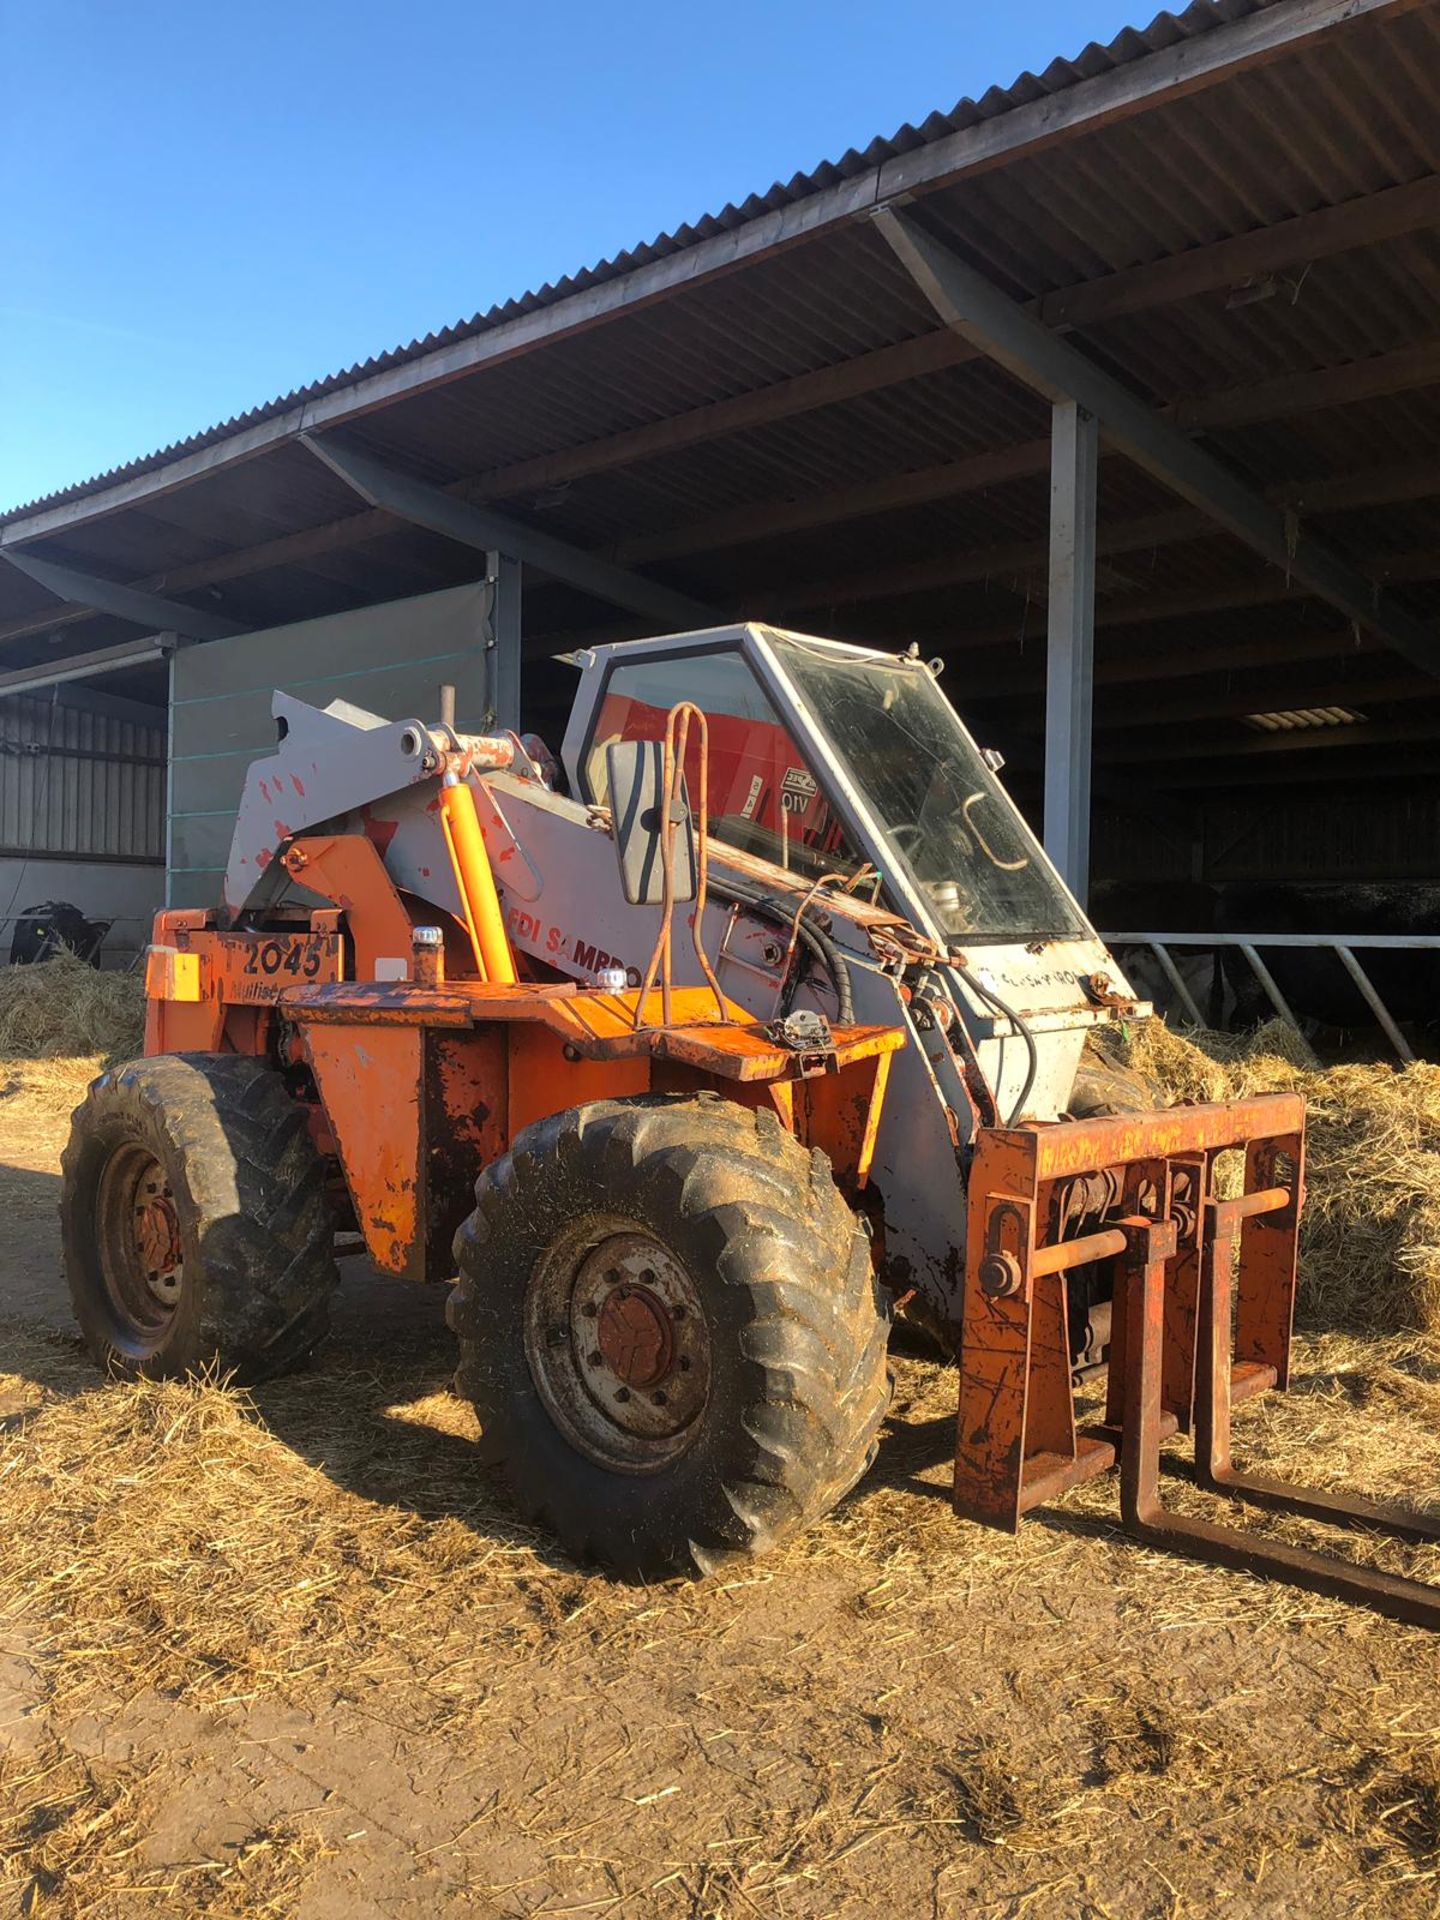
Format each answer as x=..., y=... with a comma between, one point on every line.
x=259, y=1193
x=768, y=1212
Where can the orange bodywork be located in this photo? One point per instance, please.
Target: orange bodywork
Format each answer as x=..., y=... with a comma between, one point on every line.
x=423, y=1085
x=415, y=1087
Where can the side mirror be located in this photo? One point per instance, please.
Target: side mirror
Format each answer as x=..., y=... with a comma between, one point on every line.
x=635, y=770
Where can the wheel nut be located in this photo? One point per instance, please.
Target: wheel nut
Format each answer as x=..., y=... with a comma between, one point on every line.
x=594, y=1358
x=622, y=1393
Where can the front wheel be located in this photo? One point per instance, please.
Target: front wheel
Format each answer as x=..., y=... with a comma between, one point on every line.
x=670, y=1329
x=197, y=1227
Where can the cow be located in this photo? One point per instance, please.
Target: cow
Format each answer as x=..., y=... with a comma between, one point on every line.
x=56, y=927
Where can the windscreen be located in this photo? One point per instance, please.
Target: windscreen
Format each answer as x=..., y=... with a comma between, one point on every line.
x=947, y=818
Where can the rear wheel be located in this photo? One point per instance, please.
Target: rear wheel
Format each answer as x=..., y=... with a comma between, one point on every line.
x=196, y=1224
x=670, y=1329
x=1103, y=1088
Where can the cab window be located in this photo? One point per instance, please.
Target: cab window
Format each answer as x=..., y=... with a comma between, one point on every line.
x=764, y=796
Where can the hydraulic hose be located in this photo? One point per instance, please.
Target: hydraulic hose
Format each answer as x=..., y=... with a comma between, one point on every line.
x=1032, y=1054
x=817, y=944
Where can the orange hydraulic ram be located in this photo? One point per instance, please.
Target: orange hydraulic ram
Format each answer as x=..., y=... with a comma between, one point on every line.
x=476, y=881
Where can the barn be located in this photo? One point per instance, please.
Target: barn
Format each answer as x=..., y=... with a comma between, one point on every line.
x=1117, y=390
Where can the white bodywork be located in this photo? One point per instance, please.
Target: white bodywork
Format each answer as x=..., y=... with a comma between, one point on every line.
x=555, y=868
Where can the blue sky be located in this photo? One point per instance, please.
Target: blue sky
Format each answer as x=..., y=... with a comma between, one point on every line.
x=208, y=204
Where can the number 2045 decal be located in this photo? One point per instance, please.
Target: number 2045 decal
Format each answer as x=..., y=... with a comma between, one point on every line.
x=260, y=968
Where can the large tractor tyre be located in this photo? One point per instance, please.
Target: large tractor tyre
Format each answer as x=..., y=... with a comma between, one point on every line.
x=1104, y=1088
x=197, y=1227
x=671, y=1331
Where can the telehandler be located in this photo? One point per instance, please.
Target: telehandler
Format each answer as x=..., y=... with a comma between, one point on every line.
x=688, y=1172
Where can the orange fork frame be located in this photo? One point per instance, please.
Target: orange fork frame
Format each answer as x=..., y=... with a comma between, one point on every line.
x=1189, y=1336
x=1018, y=1444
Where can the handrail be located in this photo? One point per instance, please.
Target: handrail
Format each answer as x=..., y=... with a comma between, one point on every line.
x=1342, y=945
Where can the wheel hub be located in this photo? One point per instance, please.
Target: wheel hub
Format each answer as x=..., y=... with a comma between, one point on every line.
x=618, y=1346
x=155, y=1226
x=636, y=1336
x=141, y=1250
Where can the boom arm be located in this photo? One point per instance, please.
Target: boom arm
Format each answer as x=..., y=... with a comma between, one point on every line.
x=333, y=762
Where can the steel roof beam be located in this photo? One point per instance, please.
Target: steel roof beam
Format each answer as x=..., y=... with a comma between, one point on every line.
x=1190, y=746
x=1204, y=269
x=1380, y=764
x=424, y=505
x=1205, y=691
x=987, y=683
x=1386, y=373
x=1366, y=486
x=125, y=603
x=84, y=666
x=967, y=303
x=1384, y=215
x=1013, y=558
x=1023, y=561
x=1297, y=693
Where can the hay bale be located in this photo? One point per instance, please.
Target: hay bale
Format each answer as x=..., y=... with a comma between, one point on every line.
x=62, y=1008
x=1370, y=1233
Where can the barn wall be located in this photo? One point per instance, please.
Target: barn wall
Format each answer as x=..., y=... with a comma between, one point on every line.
x=1389, y=835
x=127, y=895
x=392, y=658
x=82, y=811
x=81, y=779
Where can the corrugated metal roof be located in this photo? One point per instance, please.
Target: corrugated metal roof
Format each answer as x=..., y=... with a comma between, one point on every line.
x=738, y=494
x=1165, y=30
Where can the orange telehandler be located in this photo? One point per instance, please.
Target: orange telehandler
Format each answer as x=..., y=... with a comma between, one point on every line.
x=687, y=1172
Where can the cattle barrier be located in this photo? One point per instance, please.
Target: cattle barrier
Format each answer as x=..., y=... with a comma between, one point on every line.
x=1341, y=945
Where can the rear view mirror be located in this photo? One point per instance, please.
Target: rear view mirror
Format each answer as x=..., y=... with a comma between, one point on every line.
x=636, y=773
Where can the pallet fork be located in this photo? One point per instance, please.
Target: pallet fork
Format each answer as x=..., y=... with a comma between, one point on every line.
x=1204, y=1293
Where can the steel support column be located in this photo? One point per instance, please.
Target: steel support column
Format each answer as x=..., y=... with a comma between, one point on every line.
x=503, y=582
x=1070, y=656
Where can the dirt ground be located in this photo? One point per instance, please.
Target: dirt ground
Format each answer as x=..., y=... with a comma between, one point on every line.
x=291, y=1655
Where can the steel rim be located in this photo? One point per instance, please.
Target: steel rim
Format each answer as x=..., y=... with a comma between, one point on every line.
x=618, y=1345
x=142, y=1260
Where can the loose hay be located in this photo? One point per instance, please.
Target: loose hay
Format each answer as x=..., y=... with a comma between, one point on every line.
x=71, y=1847
x=334, y=1538
x=1370, y=1233
x=848, y=1727
x=63, y=1007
